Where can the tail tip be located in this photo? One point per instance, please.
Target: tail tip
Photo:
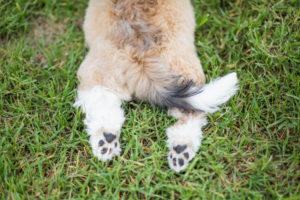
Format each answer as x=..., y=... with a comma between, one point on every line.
x=232, y=76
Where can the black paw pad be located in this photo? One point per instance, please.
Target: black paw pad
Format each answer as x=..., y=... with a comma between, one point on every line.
x=109, y=137
x=101, y=143
x=186, y=155
x=180, y=148
x=181, y=162
x=104, y=150
x=174, y=161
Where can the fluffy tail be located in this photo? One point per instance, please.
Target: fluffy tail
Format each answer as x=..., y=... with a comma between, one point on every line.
x=166, y=91
x=215, y=93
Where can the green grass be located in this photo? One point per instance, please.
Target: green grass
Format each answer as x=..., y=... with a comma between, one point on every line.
x=251, y=147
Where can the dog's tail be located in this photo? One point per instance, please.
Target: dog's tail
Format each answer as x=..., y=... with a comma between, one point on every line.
x=160, y=87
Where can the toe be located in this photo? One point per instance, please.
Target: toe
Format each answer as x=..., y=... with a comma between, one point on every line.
x=104, y=150
x=174, y=161
x=181, y=162
x=101, y=143
x=186, y=155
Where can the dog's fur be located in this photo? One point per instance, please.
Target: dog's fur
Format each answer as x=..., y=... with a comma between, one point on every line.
x=145, y=48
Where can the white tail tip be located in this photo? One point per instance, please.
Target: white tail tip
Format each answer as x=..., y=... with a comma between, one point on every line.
x=215, y=93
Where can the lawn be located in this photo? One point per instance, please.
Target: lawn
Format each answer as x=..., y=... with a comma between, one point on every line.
x=251, y=147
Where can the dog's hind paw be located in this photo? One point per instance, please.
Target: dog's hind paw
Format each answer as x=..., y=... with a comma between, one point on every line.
x=179, y=157
x=105, y=145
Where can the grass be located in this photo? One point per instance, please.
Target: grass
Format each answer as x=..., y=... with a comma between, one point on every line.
x=251, y=147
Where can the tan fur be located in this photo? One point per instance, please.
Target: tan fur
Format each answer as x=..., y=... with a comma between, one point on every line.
x=136, y=61
x=145, y=48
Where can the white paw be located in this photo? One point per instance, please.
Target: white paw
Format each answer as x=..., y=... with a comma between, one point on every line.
x=179, y=157
x=105, y=145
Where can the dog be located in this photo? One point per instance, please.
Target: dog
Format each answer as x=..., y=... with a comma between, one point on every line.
x=145, y=49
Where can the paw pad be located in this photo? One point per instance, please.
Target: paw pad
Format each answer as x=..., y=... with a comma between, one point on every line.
x=101, y=143
x=181, y=162
x=180, y=148
x=179, y=157
x=105, y=145
x=186, y=155
x=109, y=137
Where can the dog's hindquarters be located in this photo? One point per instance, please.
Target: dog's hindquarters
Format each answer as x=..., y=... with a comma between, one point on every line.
x=153, y=57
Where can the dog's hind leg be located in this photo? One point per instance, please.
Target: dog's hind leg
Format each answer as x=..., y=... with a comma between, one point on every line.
x=104, y=118
x=101, y=101
x=184, y=138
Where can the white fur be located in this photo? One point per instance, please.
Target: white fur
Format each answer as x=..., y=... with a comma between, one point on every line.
x=216, y=93
x=188, y=133
x=102, y=108
x=103, y=113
